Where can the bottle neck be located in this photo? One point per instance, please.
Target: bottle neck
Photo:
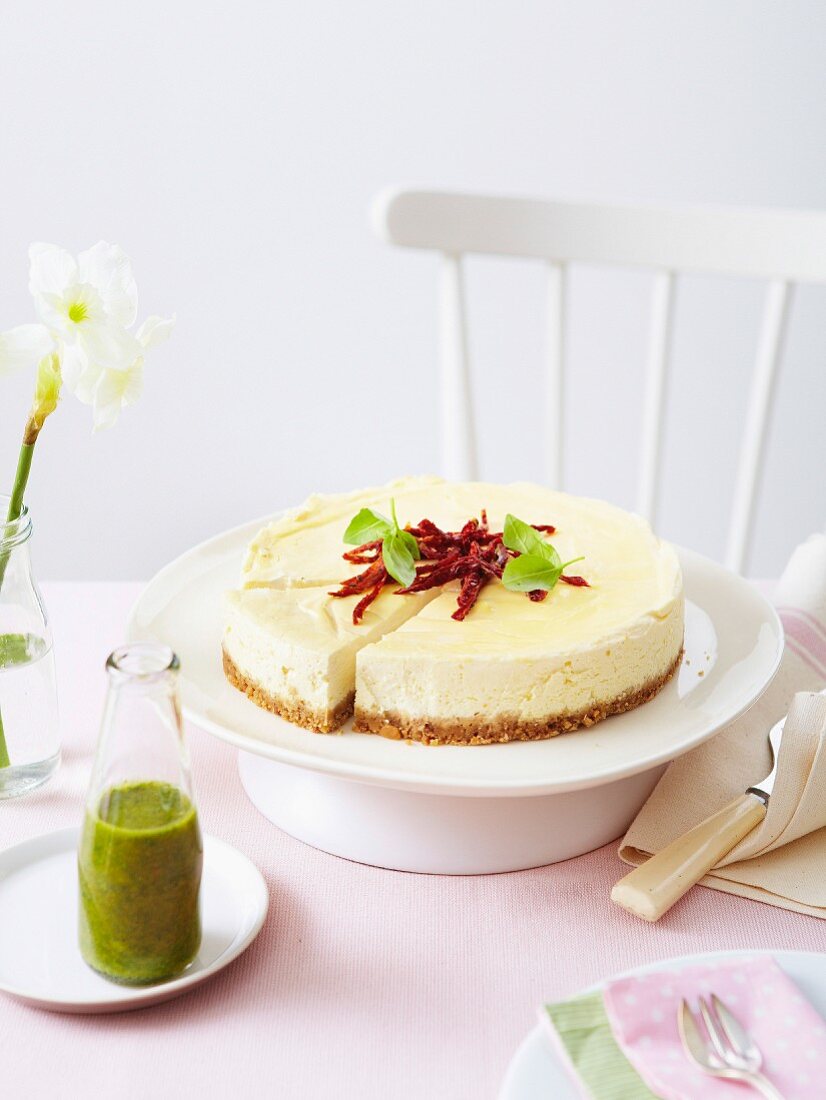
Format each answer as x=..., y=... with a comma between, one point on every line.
x=21, y=606
x=142, y=667
x=142, y=736
x=16, y=531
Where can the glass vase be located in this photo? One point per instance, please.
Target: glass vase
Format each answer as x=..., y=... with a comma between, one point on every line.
x=29, y=725
x=141, y=853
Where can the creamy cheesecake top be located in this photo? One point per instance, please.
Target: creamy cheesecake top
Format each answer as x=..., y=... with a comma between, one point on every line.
x=626, y=564
x=632, y=574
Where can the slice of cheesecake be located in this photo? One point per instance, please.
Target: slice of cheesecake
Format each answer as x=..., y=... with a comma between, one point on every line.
x=288, y=644
x=293, y=650
x=519, y=670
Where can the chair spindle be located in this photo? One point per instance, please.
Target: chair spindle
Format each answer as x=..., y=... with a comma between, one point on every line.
x=769, y=351
x=458, y=426
x=555, y=336
x=656, y=389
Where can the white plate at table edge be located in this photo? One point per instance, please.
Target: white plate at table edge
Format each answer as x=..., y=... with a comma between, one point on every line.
x=535, y=1070
x=249, y=889
x=227, y=548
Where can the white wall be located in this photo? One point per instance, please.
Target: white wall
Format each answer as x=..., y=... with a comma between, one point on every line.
x=233, y=148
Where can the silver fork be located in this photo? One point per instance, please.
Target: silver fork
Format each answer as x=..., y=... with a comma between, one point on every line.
x=730, y=1051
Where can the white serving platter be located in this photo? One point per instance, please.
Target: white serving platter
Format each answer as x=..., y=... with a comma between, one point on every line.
x=40, y=961
x=733, y=646
x=536, y=1070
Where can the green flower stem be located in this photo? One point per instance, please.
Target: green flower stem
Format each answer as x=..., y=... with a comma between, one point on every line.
x=21, y=478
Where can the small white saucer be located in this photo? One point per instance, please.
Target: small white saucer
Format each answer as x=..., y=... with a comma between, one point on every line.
x=40, y=962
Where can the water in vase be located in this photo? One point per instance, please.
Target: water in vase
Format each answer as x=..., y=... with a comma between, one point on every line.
x=28, y=711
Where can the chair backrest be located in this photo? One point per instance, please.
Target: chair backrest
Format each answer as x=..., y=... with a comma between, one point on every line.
x=783, y=247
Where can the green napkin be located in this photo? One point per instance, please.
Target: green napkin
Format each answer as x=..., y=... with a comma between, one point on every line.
x=584, y=1032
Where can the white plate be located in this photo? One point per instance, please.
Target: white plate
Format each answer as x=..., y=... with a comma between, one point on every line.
x=40, y=961
x=537, y=1071
x=733, y=637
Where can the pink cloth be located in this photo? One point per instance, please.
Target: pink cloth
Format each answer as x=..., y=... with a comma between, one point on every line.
x=364, y=983
x=804, y=635
x=791, y=1035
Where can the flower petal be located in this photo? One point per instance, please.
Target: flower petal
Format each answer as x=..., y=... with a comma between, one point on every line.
x=116, y=389
x=51, y=309
x=80, y=376
x=154, y=331
x=50, y=269
x=108, y=344
x=108, y=269
x=23, y=347
x=72, y=364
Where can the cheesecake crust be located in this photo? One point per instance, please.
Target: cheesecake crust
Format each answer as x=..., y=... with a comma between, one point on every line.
x=477, y=731
x=291, y=707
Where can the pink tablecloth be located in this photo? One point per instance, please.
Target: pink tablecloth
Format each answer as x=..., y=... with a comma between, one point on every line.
x=364, y=983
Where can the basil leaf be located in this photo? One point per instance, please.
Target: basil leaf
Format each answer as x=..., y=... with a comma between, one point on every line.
x=531, y=571
x=367, y=526
x=398, y=560
x=520, y=536
x=411, y=544
x=524, y=539
x=408, y=539
x=550, y=555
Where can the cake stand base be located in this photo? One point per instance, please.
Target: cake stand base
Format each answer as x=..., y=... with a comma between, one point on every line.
x=440, y=834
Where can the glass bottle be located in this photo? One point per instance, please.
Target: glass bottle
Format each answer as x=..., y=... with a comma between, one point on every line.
x=29, y=726
x=141, y=853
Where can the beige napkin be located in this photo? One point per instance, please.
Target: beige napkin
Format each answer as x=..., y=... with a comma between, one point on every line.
x=783, y=862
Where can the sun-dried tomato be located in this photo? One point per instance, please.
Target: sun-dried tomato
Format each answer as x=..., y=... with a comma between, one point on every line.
x=474, y=556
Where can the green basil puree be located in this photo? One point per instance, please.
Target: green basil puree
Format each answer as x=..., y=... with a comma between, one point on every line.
x=140, y=875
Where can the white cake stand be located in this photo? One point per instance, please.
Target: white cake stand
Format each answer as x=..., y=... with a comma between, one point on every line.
x=436, y=833
x=451, y=809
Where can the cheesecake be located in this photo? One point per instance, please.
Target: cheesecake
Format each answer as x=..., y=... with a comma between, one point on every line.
x=462, y=658
x=293, y=650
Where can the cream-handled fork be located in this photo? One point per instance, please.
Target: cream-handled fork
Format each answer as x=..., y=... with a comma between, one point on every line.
x=730, y=1053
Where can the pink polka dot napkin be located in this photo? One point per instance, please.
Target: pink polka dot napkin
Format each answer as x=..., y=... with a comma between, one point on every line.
x=791, y=1035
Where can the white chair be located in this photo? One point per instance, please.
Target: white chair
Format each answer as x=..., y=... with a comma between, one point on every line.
x=782, y=246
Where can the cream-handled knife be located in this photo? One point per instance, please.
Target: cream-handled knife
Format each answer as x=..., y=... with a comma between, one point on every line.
x=652, y=888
